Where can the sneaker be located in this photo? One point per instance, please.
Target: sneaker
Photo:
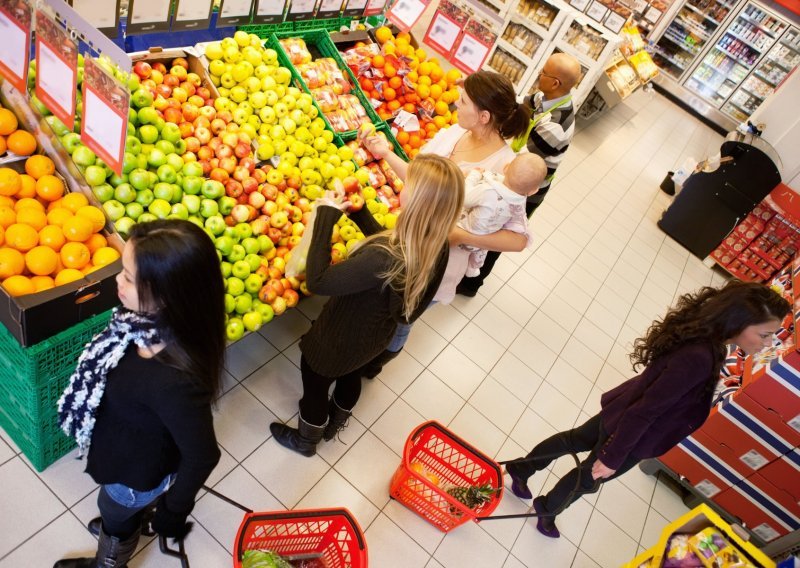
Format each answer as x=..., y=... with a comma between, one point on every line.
x=545, y=524
x=519, y=486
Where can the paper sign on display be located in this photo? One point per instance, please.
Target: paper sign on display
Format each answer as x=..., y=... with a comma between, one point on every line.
x=192, y=14
x=148, y=16
x=579, y=5
x=375, y=7
x=102, y=15
x=614, y=22
x=445, y=27
x=104, y=124
x=269, y=11
x=329, y=8
x=235, y=9
x=473, y=48
x=596, y=11
x=15, y=29
x=355, y=7
x=302, y=9
x=56, y=68
x=403, y=13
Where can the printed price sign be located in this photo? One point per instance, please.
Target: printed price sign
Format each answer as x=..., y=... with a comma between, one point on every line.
x=15, y=29
x=234, y=12
x=101, y=15
x=445, y=27
x=375, y=7
x=355, y=8
x=269, y=11
x=596, y=11
x=329, y=8
x=614, y=22
x=145, y=16
x=473, y=48
x=579, y=5
x=105, y=115
x=403, y=13
x=192, y=15
x=301, y=9
x=56, y=68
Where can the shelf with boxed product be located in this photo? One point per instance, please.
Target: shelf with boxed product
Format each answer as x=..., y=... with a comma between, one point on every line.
x=541, y=16
x=506, y=61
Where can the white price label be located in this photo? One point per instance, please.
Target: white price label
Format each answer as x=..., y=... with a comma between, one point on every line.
x=302, y=6
x=639, y=6
x=443, y=31
x=13, y=48
x=795, y=422
x=56, y=78
x=579, y=4
x=766, y=532
x=235, y=8
x=149, y=11
x=754, y=459
x=98, y=14
x=356, y=5
x=614, y=22
x=596, y=11
x=405, y=11
x=471, y=52
x=707, y=488
x=269, y=7
x=101, y=123
x=330, y=6
x=193, y=9
x=652, y=15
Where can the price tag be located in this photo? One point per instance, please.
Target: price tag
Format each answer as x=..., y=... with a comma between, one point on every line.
x=470, y=54
x=15, y=29
x=329, y=8
x=56, y=68
x=442, y=34
x=192, y=14
x=355, y=7
x=146, y=16
x=614, y=22
x=375, y=7
x=302, y=9
x=233, y=12
x=104, y=124
x=579, y=5
x=707, y=488
x=754, y=459
x=639, y=6
x=269, y=11
x=766, y=532
x=653, y=14
x=795, y=422
x=101, y=15
x=596, y=11
x=403, y=13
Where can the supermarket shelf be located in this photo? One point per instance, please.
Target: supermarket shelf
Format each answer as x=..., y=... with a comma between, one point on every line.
x=789, y=45
x=752, y=94
x=702, y=33
x=747, y=43
x=741, y=108
x=779, y=65
x=516, y=52
x=542, y=32
x=736, y=58
x=669, y=58
x=698, y=11
x=770, y=33
x=680, y=43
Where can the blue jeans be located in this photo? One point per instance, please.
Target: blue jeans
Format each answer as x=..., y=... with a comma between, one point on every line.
x=401, y=334
x=121, y=507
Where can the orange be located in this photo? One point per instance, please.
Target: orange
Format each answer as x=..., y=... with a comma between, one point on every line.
x=7, y=216
x=424, y=80
x=68, y=275
x=53, y=204
x=412, y=76
x=383, y=34
x=21, y=143
x=95, y=215
x=74, y=201
x=18, y=285
x=405, y=36
x=2, y=236
x=33, y=217
x=8, y=122
x=425, y=68
x=41, y=261
x=440, y=122
x=89, y=268
x=77, y=229
x=366, y=84
x=414, y=140
x=9, y=181
x=104, y=255
x=389, y=70
x=27, y=186
x=389, y=94
x=402, y=137
x=6, y=201
x=378, y=61
x=395, y=82
x=436, y=92
x=52, y=236
x=441, y=108
x=95, y=242
x=75, y=255
x=39, y=165
x=58, y=215
x=452, y=76
x=11, y=262
x=3, y=145
x=389, y=49
x=421, y=55
x=394, y=105
x=28, y=203
x=21, y=237
x=423, y=90
x=410, y=108
x=43, y=283
x=49, y=187
x=436, y=74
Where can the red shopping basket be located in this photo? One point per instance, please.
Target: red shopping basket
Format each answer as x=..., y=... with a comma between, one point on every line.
x=456, y=463
x=333, y=535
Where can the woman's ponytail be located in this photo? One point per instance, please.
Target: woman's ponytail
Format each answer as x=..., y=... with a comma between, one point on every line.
x=516, y=124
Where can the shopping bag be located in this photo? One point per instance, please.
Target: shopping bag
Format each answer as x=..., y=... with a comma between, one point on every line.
x=297, y=262
x=682, y=174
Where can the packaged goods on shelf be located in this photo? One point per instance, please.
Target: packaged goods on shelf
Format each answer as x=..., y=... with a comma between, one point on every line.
x=585, y=39
x=522, y=38
x=537, y=11
x=505, y=63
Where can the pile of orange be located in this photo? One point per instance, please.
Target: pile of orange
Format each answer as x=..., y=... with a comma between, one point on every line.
x=12, y=138
x=47, y=237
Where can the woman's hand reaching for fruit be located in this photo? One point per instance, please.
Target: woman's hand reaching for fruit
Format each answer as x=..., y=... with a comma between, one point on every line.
x=377, y=146
x=334, y=198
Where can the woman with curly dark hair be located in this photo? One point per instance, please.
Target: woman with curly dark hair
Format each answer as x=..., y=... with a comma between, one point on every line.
x=647, y=415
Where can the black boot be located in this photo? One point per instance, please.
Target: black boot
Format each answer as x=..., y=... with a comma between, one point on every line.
x=147, y=516
x=111, y=553
x=302, y=440
x=374, y=367
x=337, y=420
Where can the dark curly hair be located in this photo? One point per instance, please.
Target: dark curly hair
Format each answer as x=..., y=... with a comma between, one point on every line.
x=711, y=314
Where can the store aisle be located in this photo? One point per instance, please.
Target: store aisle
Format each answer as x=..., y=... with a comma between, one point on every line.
x=531, y=354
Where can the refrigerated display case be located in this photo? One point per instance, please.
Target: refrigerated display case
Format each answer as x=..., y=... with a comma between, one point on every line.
x=737, y=50
x=688, y=34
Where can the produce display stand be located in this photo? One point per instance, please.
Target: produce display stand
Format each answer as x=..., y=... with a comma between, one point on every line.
x=694, y=521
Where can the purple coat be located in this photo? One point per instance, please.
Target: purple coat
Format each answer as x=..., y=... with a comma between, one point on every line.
x=649, y=414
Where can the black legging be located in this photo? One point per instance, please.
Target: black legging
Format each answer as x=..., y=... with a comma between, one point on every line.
x=588, y=437
x=472, y=283
x=118, y=520
x=314, y=404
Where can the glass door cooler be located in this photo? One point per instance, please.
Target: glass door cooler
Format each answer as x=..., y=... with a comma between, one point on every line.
x=688, y=34
x=737, y=51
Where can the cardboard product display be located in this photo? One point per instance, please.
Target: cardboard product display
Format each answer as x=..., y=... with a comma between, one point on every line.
x=777, y=388
x=697, y=459
x=165, y=56
x=784, y=472
x=769, y=512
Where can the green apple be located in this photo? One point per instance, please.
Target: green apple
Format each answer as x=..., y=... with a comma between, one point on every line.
x=266, y=311
x=124, y=193
x=233, y=285
x=226, y=204
x=147, y=217
x=103, y=192
x=163, y=190
x=147, y=115
x=252, y=320
x=230, y=301
x=83, y=156
x=213, y=189
x=141, y=98
x=237, y=253
x=234, y=330
x=134, y=210
x=209, y=208
x=114, y=209
x=192, y=203
x=123, y=226
x=145, y=197
x=179, y=211
x=215, y=224
x=156, y=158
x=244, y=302
x=95, y=175
x=148, y=134
x=166, y=173
x=160, y=208
x=252, y=248
x=192, y=184
x=193, y=169
x=171, y=132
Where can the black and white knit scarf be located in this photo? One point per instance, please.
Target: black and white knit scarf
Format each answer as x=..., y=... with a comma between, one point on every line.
x=78, y=404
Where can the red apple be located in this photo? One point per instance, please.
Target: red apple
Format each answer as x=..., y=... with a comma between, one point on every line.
x=160, y=67
x=256, y=199
x=218, y=174
x=260, y=175
x=269, y=191
x=142, y=69
x=225, y=115
x=173, y=115
x=196, y=101
x=218, y=126
x=190, y=111
x=188, y=87
x=203, y=134
x=267, y=294
x=260, y=225
x=187, y=129
x=274, y=234
x=250, y=185
x=233, y=188
x=171, y=81
x=208, y=112
x=350, y=184
x=160, y=103
x=240, y=212
x=224, y=151
x=242, y=150
x=156, y=76
x=204, y=153
x=164, y=90
x=228, y=164
x=240, y=173
x=203, y=92
x=214, y=143
x=356, y=202
x=202, y=120
x=206, y=167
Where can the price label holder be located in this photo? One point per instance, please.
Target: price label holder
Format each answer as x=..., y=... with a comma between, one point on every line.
x=403, y=13
x=301, y=10
x=614, y=22
x=104, y=123
x=56, y=68
x=473, y=47
x=653, y=14
x=445, y=27
x=15, y=28
x=375, y=7
x=235, y=13
x=596, y=11
x=579, y=5
x=329, y=9
x=103, y=16
x=192, y=15
x=269, y=11
x=354, y=8
x=147, y=16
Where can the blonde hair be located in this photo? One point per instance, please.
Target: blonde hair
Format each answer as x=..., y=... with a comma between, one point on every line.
x=436, y=187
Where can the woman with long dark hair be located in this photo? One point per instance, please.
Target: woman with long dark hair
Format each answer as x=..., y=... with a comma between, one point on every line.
x=647, y=415
x=140, y=400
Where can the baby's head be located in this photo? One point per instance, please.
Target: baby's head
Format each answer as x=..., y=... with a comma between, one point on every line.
x=525, y=173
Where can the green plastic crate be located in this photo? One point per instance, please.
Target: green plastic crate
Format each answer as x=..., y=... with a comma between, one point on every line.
x=31, y=382
x=328, y=24
x=264, y=30
x=320, y=41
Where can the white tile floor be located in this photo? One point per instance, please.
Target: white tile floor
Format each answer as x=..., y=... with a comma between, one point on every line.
x=532, y=353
